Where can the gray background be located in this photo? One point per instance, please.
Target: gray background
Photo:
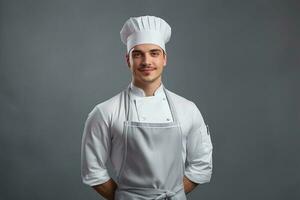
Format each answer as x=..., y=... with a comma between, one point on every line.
x=237, y=60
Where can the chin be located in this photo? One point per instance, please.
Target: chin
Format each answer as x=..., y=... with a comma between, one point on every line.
x=149, y=79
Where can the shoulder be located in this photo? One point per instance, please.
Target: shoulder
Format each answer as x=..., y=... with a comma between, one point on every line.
x=182, y=101
x=105, y=109
x=187, y=109
x=110, y=104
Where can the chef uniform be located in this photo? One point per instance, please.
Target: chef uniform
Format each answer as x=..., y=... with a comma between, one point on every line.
x=152, y=141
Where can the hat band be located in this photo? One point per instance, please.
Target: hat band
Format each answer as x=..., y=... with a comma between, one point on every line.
x=145, y=37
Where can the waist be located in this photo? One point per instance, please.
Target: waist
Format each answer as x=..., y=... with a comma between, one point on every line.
x=151, y=193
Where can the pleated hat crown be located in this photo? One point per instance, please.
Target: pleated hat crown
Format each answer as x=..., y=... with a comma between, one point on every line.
x=144, y=30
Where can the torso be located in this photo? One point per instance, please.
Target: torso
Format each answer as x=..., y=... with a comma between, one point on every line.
x=114, y=109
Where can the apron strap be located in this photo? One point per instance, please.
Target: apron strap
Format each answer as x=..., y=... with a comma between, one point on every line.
x=127, y=102
x=171, y=105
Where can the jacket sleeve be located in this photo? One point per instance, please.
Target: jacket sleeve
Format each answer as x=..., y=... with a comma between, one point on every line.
x=199, y=150
x=95, y=148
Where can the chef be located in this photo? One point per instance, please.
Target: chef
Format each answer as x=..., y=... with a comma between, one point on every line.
x=156, y=140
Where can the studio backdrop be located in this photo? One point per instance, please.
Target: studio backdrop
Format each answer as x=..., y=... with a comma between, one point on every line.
x=238, y=61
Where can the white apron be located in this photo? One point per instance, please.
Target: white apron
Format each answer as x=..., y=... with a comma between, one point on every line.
x=152, y=166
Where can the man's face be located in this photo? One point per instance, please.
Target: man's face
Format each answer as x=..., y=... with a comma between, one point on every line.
x=146, y=62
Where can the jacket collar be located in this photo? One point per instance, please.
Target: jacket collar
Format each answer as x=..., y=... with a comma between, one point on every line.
x=138, y=92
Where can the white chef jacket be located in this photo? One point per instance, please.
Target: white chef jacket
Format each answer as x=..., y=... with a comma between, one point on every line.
x=102, y=135
x=150, y=109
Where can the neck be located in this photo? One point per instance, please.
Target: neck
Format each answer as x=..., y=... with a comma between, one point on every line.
x=148, y=88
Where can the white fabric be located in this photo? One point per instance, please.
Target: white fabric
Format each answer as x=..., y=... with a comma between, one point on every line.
x=151, y=109
x=102, y=137
x=145, y=29
x=151, y=169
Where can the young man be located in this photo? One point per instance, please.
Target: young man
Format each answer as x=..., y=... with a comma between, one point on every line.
x=157, y=141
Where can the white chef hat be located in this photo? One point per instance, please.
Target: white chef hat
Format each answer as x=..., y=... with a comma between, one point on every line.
x=145, y=29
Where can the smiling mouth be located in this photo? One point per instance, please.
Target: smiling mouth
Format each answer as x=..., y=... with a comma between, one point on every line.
x=147, y=69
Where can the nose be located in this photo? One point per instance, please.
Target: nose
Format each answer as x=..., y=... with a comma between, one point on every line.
x=146, y=60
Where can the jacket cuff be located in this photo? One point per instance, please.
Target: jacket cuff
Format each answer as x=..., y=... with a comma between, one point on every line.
x=96, y=178
x=198, y=178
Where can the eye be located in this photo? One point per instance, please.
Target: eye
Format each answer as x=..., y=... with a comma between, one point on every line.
x=155, y=53
x=136, y=55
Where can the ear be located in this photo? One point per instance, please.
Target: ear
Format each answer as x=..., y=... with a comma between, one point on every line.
x=165, y=61
x=127, y=59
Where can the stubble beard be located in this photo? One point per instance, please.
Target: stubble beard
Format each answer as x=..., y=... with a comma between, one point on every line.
x=148, y=80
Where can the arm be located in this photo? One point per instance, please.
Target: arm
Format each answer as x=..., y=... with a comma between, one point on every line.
x=107, y=189
x=188, y=185
x=199, y=150
x=95, y=150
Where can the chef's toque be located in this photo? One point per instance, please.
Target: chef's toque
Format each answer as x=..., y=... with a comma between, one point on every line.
x=145, y=29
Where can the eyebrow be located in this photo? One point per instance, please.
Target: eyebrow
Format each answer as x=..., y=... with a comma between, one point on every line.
x=151, y=50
